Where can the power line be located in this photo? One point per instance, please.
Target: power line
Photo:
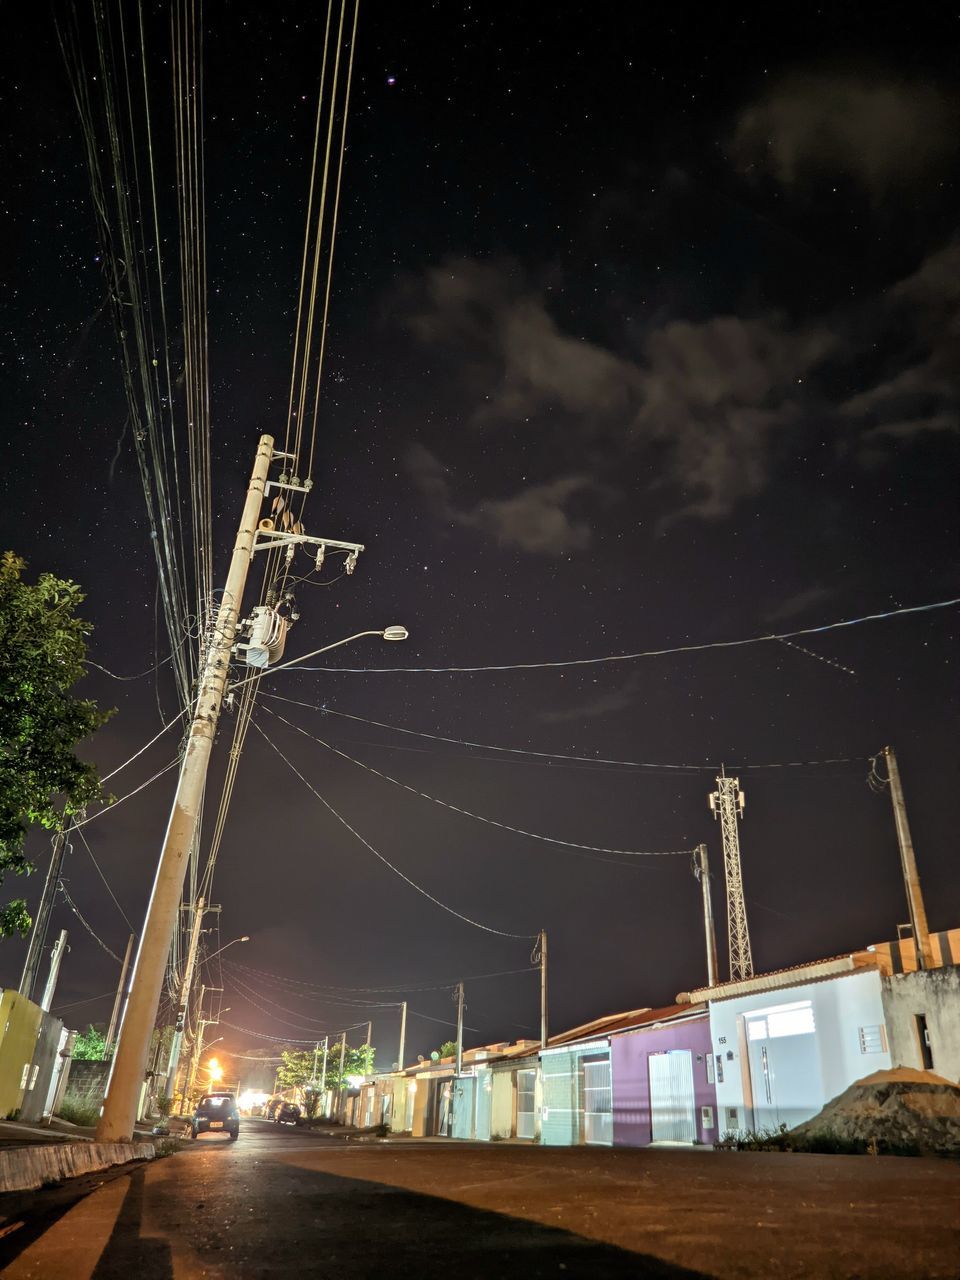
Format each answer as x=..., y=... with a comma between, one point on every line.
x=110, y=808
x=396, y=870
x=106, y=883
x=76, y=911
x=415, y=985
x=645, y=653
x=136, y=754
x=550, y=755
x=467, y=813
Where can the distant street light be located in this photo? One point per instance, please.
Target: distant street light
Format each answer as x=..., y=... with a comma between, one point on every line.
x=388, y=633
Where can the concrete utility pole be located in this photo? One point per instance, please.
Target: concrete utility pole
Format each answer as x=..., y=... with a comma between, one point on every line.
x=908, y=860
x=403, y=1035
x=368, y=1043
x=197, y=1050
x=56, y=958
x=38, y=933
x=459, y=1066
x=343, y=1054
x=121, y=992
x=540, y=953
x=120, y=1105
x=326, y=1049
x=727, y=805
x=173, y=1062
x=701, y=870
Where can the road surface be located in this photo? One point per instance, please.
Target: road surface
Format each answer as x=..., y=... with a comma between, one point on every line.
x=281, y=1202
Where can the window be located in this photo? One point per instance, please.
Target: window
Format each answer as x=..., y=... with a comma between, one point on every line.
x=719, y=1068
x=710, y=1071
x=706, y=1117
x=873, y=1039
x=923, y=1036
x=733, y=1116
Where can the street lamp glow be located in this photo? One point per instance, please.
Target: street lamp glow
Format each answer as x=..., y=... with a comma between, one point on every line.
x=396, y=633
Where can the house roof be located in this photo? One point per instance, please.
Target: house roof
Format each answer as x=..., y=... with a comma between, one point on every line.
x=611, y=1024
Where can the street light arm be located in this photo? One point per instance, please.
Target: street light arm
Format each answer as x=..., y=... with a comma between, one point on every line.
x=207, y=959
x=315, y=653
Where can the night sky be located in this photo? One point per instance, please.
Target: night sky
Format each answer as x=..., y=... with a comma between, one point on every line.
x=645, y=333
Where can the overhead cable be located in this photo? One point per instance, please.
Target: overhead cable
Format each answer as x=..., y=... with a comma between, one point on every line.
x=169, y=725
x=418, y=984
x=644, y=653
x=478, y=817
x=143, y=785
x=502, y=933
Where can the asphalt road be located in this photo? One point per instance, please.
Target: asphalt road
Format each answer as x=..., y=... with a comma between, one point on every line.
x=281, y=1202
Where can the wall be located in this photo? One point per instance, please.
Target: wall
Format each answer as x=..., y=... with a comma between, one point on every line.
x=45, y=1060
x=19, y=1027
x=841, y=1006
x=936, y=995
x=561, y=1120
x=88, y=1078
x=631, y=1077
x=502, y=1118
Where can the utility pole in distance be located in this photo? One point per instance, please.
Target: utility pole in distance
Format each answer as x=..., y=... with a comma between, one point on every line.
x=540, y=957
x=908, y=860
x=701, y=870
x=120, y=1105
x=56, y=958
x=39, y=932
x=403, y=1035
x=459, y=1066
x=326, y=1050
x=121, y=991
x=181, y=1020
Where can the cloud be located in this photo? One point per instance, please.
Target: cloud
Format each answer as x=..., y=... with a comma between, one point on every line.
x=799, y=603
x=534, y=519
x=691, y=415
x=883, y=132
x=924, y=396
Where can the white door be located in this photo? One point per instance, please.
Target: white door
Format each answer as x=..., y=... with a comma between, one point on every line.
x=526, y=1104
x=597, y=1102
x=672, y=1102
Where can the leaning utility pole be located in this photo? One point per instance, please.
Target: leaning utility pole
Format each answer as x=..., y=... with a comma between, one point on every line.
x=326, y=1050
x=121, y=992
x=403, y=1035
x=702, y=871
x=123, y=1092
x=459, y=1066
x=908, y=860
x=41, y=923
x=56, y=957
x=173, y=1062
x=727, y=804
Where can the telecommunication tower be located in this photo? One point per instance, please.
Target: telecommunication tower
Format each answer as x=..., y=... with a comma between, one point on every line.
x=726, y=803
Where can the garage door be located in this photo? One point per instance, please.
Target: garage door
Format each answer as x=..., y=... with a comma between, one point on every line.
x=672, y=1102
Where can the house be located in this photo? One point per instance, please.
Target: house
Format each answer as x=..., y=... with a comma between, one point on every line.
x=786, y=1042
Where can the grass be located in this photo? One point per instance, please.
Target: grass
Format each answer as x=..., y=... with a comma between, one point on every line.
x=79, y=1111
x=823, y=1142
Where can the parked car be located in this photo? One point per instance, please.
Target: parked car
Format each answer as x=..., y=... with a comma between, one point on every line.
x=217, y=1113
x=287, y=1113
x=270, y=1109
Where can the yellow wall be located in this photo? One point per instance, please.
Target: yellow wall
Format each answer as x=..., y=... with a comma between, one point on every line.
x=19, y=1028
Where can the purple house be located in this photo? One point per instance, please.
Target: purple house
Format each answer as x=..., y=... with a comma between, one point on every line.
x=662, y=1077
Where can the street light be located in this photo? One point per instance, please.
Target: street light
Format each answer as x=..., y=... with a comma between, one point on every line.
x=245, y=938
x=388, y=633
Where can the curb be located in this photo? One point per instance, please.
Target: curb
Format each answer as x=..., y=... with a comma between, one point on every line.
x=27, y=1168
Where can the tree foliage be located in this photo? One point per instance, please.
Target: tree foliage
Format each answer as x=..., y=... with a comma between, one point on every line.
x=90, y=1045
x=296, y=1067
x=448, y=1049
x=43, y=646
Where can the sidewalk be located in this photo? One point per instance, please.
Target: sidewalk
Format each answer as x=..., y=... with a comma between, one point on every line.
x=32, y=1155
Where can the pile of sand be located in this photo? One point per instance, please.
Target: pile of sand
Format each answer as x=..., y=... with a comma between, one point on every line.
x=898, y=1109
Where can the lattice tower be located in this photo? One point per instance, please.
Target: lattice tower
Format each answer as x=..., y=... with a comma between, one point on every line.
x=727, y=805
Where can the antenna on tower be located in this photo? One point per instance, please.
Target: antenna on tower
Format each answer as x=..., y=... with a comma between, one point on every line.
x=726, y=803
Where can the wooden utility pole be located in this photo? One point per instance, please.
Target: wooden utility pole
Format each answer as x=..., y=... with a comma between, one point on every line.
x=121, y=991
x=403, y=1035
x=41, y=922
x=459, y=1066
x=908, y=861
x=173, y=1061
x=120, y=1105
x=702, y=872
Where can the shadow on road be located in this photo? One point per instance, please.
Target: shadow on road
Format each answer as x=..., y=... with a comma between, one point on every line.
x=128, y=1252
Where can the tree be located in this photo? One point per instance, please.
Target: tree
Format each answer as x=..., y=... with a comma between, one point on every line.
x=90, y=1045
x=296, y=1066
x=43, y=646
x=447, y=1050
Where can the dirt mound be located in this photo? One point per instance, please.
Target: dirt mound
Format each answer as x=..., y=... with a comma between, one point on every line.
x=899, y=1110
